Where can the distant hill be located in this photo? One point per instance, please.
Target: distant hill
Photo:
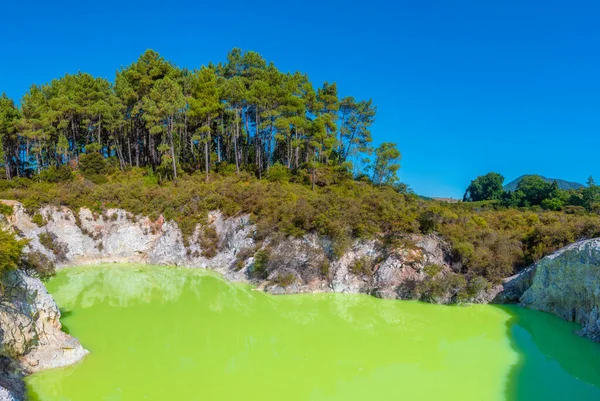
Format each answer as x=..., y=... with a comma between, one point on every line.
x=562, y=184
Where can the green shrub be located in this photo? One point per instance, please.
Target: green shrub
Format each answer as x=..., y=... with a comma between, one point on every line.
x=55, y=175
x=39, y=220
x=361, y=267
x=552, y=204
x=48, y=241
x=436, y=289
x=477, y=285
x=11, y=249
x=5, y=209
x=324, y=268
x=487, y=239
x=38, y=265
x=209, y=241
x=278, y=173
x=432, y=270
x=261, y=264
x=285, y=280
x=92, y=165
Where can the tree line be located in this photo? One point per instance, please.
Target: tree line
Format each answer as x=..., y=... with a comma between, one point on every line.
x=243, y=112
x=534, y=191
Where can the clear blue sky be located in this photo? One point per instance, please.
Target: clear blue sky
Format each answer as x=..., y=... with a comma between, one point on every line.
x=463, y=87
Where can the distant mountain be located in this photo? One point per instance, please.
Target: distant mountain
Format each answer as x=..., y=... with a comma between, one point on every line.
x=562, y=184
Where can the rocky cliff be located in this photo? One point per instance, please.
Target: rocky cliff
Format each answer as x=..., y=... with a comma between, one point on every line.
x=229, y=246
x=31, y=338
x=567, y=284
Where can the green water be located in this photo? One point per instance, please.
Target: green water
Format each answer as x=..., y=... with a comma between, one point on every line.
x=158, y=333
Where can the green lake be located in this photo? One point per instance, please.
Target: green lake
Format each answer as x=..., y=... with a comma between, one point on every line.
x=166, y=333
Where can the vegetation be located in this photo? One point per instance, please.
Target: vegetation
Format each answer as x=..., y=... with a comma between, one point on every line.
x=361, y=267
x=49, y=242
x=243, y=137
x=533, y=190
x=488, y=240
x=38, y=220
x=10, y=251
x=243, y=114
x=5, y=209
x=485, y=187
x=260, y=265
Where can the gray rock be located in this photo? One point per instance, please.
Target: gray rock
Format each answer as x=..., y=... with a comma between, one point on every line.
x=30, y=328
x=567, y=284
x=6, y=395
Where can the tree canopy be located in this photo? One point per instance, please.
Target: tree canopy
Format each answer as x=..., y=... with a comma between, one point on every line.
x=243, y=112
x=485, y=187
x=534, y=191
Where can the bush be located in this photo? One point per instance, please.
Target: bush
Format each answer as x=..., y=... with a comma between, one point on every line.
x=285, y=280
x=432, y=270
x=552, y=204
x=5, y=209
x=92, y=165
x=361, y=267
x=278, y=173
x=209, y=241
x=48, y=241
x=437, y=289
x=324, y=268
x=38, y=265
x=477, y=285
x=260, y=265
x=11, y=249
x=55, y=175
x=39, y=220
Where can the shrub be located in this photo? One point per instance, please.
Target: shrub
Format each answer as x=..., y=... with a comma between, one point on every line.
x=552, y=204
x=55, y=175
x=92, y=164
x=10, y=250
x=487, y=239
x=5, y=209
x=39, y=220
x=48, y=241
x=37, y=264
x=278, y=173
x=260, y=265
x=285, y=280
x=437, y=289
x=477, y=285
x=361, y=267
x=432, y=270
x=209, y=241
x=324, y=268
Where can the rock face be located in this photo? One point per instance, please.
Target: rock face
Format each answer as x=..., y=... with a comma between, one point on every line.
x=31, y=338
x=567, y=284
x=294, y=265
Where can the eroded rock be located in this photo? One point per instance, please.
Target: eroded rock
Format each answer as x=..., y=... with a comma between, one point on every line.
x=567, y=284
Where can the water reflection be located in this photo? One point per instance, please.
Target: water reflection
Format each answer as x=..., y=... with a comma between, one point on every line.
x=161, y=333
x=554, y=363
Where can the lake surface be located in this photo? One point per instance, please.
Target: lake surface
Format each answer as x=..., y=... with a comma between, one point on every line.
x=162, y=333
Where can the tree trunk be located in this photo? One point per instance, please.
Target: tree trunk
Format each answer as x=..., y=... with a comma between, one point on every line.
x=6, y=167
x=207, y=152
x=235, y=147
x=170, y=129
x=257, y=145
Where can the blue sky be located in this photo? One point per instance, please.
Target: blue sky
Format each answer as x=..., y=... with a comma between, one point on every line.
x=463, y=87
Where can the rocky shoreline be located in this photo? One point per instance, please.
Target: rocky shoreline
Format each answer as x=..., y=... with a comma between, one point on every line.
x=31, y=339
x=566, y=283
